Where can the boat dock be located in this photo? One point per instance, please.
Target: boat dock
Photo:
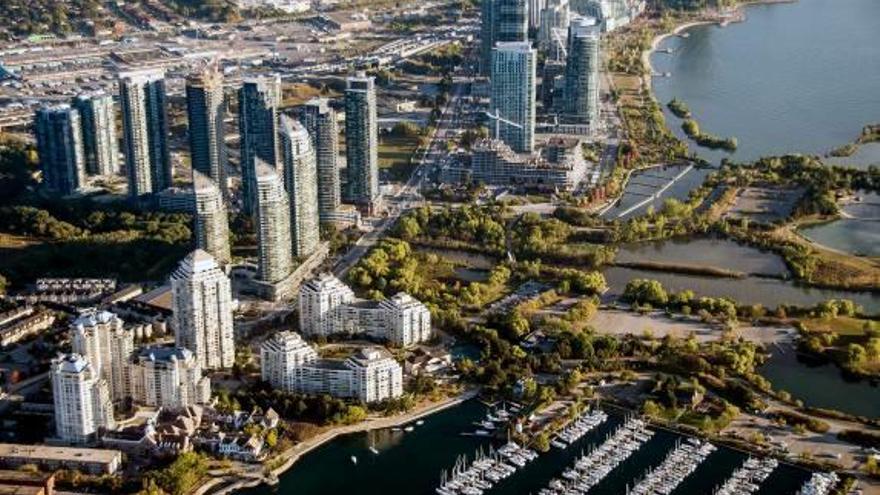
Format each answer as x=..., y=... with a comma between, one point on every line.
x=747, y=479
x=678, y=465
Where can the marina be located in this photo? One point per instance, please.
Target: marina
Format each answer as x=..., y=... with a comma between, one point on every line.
x=748, y=478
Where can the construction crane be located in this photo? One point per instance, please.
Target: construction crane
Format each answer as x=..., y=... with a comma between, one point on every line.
x=498, y=118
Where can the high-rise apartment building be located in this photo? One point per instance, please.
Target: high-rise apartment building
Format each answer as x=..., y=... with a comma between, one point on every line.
x=201, y=298
x=205, y=108
x=258, y=102
x=101, y=337
x=100, y=144
x=168, y=377
x=145, y=132
x=502, y=21
x=81, y=399
x=301, y=182
x=60, y=148
x=211, y=219
x=320, y=120
x=362, y=142
x=272, y=224
x=582, y=71
x=320, y=300
x=283, y=358
x=407, y=320
x=553, y=29
x=514, y=67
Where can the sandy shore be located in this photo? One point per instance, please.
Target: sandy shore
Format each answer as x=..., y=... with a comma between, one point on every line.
x=247, y=480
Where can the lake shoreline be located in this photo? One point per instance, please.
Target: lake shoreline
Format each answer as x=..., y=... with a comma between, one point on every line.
x=295, y=453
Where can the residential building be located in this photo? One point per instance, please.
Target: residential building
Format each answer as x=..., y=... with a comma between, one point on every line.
x=98, y=121
x=101, y=337
x=81, y=399
x=502, y=21
x=168, y=377
x=60, y=148
x=50, y=458
x=205, y=108
x=301, y=182
x=176, y=199
x=211, y=219
x=514, y=66
x=320, y=300
x=552, y=85
x=25, y=322
x=145, y=131
x=582, y=71
x=362, y=142
x=327, y=307
x=258, y=101
x=272, y=210
x=553, y=29
x=320, y=121
x=559, y=166
x=292, y=365
x=535, y=8
x=202, y=301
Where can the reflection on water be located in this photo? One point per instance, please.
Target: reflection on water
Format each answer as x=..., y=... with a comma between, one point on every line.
x=821, y=385
x=712, y=252
x=854, y=236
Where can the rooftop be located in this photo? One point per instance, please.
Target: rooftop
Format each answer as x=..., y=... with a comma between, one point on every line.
x=49, y=453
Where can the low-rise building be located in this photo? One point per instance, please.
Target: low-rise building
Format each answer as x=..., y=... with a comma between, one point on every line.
x=26, y=483
x=92, y=461
x=559, y=165
x=28, y=321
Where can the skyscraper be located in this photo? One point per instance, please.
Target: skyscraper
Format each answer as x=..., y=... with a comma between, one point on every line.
x=98, y=121
x=320, y=120
x=272, y=210
x=553, y=29
x=202, y=302
x=362, y=141
x=258, y=102
x=301, y=183
x=145, y=131
x=60, y=148
x=81, y=399
x=582, y=71
x=211, y=218
x=101, y=337
x=535, y=8
x=502, y=21
x=204, y=110
x=514, y=67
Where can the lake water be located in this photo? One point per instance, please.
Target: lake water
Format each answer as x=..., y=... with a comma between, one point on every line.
x=411, y=463
x=706, y=252
x=644, y=184
x=868, y=154
x=851, y=235
x=798, y=77
x=821, y=386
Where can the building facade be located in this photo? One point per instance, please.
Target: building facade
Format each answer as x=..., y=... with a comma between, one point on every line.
x=502, y=21
x=553, y=29
x=320, y=121
x=98, y=120
x=202, y=310
x=211, y=219
x=205, y=108
x=81, y=398
x=362, y=142
x=145, y=132
x=258, y=102
x=559, y=166
x=290, y=364
x=60, y=148
x=327, y=307
x=168, y=377
x=101, y=337
x=582, y=71
x=513, y=79
x=301, y=183
x=272, y=210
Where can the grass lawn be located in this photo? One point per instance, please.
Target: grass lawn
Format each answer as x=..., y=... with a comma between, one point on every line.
x=396, y=156
x=841, y=325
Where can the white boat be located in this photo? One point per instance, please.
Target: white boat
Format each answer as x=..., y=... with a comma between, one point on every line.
x=374, y=450
x=354, y=460
x=408, y=429
x=419, y=422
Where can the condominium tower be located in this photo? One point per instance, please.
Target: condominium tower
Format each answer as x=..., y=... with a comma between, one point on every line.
x=60, y=148
x=320, y=120
x=582, y=71
x=553, y=29
x=81, y=399
x=202, y=303
x=101, y=337
x=205, y=111
x=301, y=182
x=514, y=67
x=145, y=132
x=258, y=102
x=502, y=21
x=272, y=210
x=362, y=142
x=168, y=377
x=211, y=219
x=98, y=121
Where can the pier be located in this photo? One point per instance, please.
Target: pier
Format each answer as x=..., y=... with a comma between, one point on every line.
x=677, y=466
x=748, y=478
